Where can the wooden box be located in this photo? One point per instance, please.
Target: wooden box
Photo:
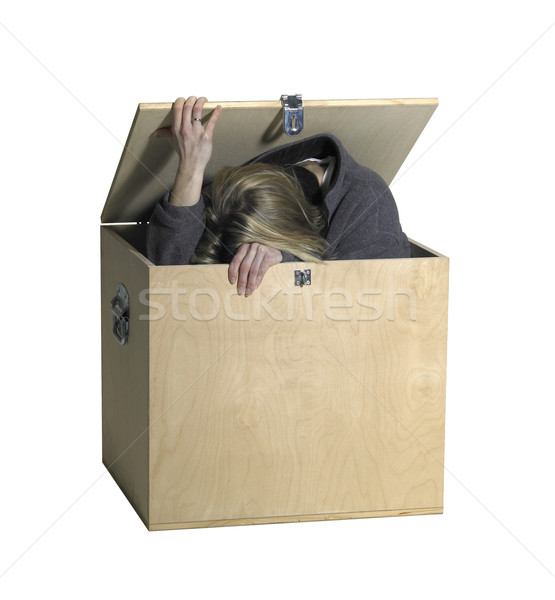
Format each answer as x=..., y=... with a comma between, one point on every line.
x=299, y=403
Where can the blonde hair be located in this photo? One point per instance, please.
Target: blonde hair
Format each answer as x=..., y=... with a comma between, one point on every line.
x=260, y=203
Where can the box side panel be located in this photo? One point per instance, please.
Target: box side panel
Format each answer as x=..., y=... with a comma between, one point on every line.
x=298, y=402
x=418, y=250
x=125, y=373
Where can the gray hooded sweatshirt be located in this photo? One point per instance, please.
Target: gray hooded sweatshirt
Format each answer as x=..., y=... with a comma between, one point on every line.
x=363, y=221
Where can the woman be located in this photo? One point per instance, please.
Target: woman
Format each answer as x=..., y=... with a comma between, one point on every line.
x=308, y=200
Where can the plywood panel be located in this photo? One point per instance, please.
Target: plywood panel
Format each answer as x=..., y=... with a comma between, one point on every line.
x=379, y=134
x=125, y=374
x=297, y=518
x=297, y=402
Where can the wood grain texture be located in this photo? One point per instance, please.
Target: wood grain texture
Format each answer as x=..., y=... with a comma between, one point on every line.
x=297, y=403
x=379, y=134
x=297, y=519
x=125, y=413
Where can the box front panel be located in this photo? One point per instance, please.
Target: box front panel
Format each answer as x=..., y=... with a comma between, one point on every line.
x=314, y=401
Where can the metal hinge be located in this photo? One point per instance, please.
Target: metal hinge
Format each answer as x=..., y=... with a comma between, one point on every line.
x=293, y=114
x=120, y=314
x=303, y=277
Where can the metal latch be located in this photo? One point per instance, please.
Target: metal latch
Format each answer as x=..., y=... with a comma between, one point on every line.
x=120, y=314
x=303, y=277
x=293, y=114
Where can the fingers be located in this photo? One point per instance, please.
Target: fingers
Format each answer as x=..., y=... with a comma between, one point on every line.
x=213, y=120
x=163, y=132
x=257, y=253
x=248, y=271
x=249, y=266
x=266, y=263
x=234, y=265
x=177, y=116
x=197, y=109
x=183, y=113
x=187, y=113
x=271, y=256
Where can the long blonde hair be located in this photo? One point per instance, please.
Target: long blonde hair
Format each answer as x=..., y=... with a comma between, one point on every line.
x=260, y=203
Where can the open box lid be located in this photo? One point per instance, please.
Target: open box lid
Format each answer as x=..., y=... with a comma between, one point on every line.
x=378, y=134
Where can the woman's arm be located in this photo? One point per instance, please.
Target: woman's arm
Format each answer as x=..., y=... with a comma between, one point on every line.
x=193, y=143
x=176, y=224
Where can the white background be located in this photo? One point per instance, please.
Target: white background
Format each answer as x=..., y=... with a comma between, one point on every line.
x=478, y=187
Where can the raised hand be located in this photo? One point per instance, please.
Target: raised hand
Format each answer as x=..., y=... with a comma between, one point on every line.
x=193, y=143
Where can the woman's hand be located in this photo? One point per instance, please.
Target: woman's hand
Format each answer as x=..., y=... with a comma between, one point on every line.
x=250, y=264
x=193, y=143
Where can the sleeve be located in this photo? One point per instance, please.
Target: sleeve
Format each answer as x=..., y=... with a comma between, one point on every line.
x=357, y=245
x=367, y=224
x=173, y=232
x=288, y=257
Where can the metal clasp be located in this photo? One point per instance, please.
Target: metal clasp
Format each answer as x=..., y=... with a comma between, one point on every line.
x=293, y=114
x=120, y=314
x=303, y=277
